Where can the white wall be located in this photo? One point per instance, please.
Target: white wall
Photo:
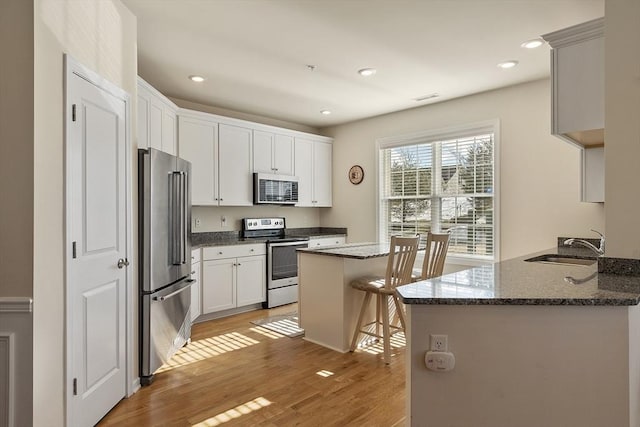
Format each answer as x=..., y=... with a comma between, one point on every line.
x=540, y=174
x=210, y=217
x=622, y=133
x=100, y=34
x=525, y=366
x=183, y=103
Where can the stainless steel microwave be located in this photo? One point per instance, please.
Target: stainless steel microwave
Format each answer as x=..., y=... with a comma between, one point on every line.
x=275, y=189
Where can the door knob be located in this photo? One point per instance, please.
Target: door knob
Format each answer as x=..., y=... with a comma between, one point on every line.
x=123, y=262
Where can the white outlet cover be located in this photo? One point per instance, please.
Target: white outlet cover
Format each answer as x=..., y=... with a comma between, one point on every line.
x=438, y=342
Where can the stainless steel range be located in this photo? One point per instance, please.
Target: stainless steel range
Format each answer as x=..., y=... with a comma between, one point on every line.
x=282, y=259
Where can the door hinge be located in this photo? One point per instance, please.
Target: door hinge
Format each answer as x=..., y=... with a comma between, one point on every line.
x=75, y=386
x=73, y=113
x=73, y=249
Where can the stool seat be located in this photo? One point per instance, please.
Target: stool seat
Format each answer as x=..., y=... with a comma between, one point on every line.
x=402, y=255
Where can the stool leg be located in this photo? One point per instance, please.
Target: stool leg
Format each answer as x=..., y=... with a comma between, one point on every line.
x=386, y=332
x=400, y=312
x=378, y=320
x=365, y=304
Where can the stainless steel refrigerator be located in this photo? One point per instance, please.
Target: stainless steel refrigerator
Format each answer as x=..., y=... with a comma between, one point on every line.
x=164, y=183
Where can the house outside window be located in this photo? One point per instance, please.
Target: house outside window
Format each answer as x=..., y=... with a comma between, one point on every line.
x=442, y=181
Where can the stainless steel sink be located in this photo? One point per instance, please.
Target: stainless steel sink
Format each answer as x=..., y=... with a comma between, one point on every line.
x=563, y=259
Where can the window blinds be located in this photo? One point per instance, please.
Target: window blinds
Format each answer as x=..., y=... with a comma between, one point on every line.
x=441, y=185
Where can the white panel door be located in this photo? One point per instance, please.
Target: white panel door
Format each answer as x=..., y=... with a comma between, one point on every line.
x=235, y=168
x=304, y=171
x=218, y=285
x=283, y=155
x=251, y=280
x=262, y=152
x=196, y=290
x=199, y=145
x=96, y=221
x=322, y=174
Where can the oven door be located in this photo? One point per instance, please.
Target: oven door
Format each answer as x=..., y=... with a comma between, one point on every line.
x=282, y=263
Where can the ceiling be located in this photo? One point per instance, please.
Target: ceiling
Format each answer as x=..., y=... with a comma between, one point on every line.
x=254, y=53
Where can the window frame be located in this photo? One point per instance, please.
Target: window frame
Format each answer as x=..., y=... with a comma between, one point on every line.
x=443, y=134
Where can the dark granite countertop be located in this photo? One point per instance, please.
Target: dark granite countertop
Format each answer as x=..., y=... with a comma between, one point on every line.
x=224, y=238
x=352, y=250
x=518, y=282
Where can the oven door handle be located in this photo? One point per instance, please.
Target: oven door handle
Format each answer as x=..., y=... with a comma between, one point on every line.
x=297, y=243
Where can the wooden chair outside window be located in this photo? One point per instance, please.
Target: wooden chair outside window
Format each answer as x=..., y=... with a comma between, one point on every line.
x=402, y=255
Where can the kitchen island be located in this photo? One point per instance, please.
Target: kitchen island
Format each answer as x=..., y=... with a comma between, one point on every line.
x=536, y=344
x=328, y=307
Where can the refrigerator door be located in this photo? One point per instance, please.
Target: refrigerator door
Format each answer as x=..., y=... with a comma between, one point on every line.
x=166, y=326
x=165, y=219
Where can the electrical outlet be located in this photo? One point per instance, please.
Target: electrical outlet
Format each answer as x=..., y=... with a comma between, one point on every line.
x=197, y=223
x=438, y=342
x=223, y=221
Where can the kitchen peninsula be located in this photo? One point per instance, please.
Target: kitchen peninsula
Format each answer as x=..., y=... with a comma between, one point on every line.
x=328, y=306
x=534, y=343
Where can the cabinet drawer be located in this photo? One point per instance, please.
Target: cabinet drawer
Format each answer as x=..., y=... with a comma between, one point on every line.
x=326, y=241
x=233, y=251
x=195, y=256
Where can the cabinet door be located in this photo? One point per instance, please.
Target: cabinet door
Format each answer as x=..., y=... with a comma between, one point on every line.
x=322, y=174
x=198, y=144
x=579, y=74
x=262, y=151
x=196, y=290
x=218, y=285
x=155, y=124
x=236, y=183
x=169, y=127
x=283, y=155
x=143, y=120
x=251, y=280
x=304, y=171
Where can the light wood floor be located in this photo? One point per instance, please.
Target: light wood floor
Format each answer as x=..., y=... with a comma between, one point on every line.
x=237, y=374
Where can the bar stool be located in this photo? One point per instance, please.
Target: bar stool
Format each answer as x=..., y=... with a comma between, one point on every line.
x=435, y=254
x=402, y=255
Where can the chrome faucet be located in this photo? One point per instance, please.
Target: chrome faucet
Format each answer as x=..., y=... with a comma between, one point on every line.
x=597, y=250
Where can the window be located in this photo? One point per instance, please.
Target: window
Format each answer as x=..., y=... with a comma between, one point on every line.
x=442, y=181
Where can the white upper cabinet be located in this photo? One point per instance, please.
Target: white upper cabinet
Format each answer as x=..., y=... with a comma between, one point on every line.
x=577, y=92
x=272, y=153
x=313, y=166
x=199, y=145
x=235, y=165
x=157, y=119
x=224, y=153
x=577, y=70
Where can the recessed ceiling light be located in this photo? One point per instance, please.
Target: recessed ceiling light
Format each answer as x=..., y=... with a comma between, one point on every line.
x=508, y=64
x=532, y=44
x=425, y=97
x=197, y=79
x=325, y=112
x=366, y=72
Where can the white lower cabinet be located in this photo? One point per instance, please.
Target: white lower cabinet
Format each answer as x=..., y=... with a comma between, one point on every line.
x=318, y=242
x=233, y=276
x=196, y=286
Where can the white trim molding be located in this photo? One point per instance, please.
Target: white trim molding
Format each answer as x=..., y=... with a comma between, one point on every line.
x=16, y=305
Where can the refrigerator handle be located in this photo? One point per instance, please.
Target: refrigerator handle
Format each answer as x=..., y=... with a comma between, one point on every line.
x=178, y=217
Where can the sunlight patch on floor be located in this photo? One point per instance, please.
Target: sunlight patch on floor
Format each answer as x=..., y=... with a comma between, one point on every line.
x=234, y=413
x=376, y=346
x=207, y=348
x=324, y=373
x=266, y=332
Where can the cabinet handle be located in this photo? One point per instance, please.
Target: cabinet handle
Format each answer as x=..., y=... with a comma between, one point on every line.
x=219, y=253
x=220, y=198
x=193, y=272
x=251, y=250
x=238, y=264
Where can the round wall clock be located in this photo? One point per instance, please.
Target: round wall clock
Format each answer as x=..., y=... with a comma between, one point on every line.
x=356, y=174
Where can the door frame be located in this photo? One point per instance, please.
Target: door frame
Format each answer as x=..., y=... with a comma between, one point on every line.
x=73, y=67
